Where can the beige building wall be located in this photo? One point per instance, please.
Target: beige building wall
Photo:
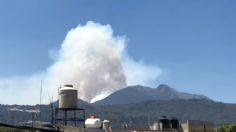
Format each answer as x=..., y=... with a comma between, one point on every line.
x=198, y=126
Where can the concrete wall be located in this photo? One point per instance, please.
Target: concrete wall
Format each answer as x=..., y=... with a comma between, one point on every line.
x=77, y=129
x=198, y=126
x=185, y=127
x=72, y=129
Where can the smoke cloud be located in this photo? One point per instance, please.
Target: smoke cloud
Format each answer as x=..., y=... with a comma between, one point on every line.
x=92, y=59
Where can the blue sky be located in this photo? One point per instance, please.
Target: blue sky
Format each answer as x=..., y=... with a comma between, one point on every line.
x=193, y=42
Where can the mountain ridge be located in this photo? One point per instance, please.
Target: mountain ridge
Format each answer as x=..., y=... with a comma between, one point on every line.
x=139, y=93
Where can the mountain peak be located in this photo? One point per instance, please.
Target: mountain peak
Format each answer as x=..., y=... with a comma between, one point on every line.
x=163, y=85
x=165, y=88
x=138, y=93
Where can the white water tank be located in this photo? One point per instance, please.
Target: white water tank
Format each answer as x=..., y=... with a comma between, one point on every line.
x=105, y=124
x=93, y=123
x=68, y=97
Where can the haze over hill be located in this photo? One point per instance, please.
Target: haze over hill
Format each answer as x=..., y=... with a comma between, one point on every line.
x=134, y=94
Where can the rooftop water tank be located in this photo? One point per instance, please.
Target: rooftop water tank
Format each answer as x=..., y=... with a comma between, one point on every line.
x=174, y=123
x=95, y=123
x=68, y=97
x=105, y=124
x=164, y=123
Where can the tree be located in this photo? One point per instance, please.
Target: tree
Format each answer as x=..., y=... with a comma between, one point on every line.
x=227, y=128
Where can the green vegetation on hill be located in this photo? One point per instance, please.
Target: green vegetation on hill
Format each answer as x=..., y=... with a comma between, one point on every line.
x=7, y=129
x=146, y=112
x=227, y=128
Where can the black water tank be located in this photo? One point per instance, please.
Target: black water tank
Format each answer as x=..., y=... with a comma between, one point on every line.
x=165, y=122
x=174, y=123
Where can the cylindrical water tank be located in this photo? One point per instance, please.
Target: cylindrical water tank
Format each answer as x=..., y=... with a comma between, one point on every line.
x=68, y=97
x=105, y=124
x=93, y=123
x=164, y=123
x=174, y=123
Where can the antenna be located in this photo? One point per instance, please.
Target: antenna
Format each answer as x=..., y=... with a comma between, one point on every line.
x=148, y=120
x=51, y=104
x=40, y=103
x=58, y=91
x=52, y=116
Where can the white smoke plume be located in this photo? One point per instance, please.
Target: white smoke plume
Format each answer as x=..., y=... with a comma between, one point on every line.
x=92, y=59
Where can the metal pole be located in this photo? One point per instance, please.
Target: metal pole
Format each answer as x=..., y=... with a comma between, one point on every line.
x=52, y=116
x=84, y=117
x=41, y=89
x=32, y=114
x=12, y=118
x=65, y=117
